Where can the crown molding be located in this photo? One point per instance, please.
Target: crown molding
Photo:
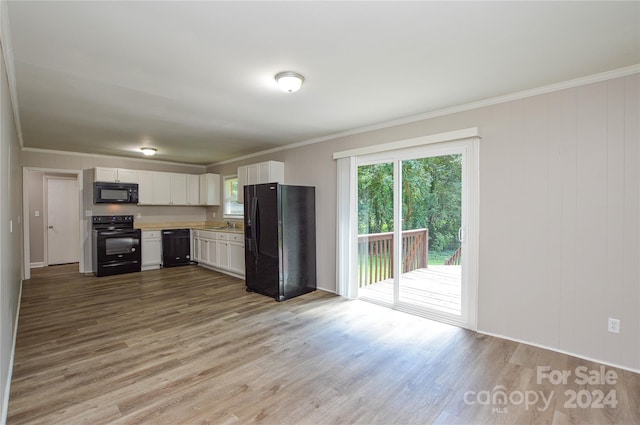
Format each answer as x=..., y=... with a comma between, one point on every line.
x=590, y=79
x=91, y=155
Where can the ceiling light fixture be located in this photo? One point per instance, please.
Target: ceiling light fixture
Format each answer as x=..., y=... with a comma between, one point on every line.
x=149, y=151
x=289, y=81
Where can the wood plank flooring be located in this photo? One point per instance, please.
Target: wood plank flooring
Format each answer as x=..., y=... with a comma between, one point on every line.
x=187, y=345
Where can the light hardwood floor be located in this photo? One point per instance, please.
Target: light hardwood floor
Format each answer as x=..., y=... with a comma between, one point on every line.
x=189, y=346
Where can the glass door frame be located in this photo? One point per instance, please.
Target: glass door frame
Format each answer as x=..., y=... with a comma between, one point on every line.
x=468, y=148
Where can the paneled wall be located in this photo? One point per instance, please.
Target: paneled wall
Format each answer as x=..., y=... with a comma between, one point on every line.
x=10, y=232
x=559, y=216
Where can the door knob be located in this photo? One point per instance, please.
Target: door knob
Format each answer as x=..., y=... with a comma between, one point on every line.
x=50, y=227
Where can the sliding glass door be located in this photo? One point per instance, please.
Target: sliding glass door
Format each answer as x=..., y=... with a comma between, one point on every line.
x=412, y=215
x=431, y=192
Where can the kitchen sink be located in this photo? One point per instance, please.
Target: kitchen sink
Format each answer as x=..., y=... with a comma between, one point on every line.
x=230, y=229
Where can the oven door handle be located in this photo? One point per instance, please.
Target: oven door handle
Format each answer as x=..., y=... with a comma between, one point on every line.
x=117, y=232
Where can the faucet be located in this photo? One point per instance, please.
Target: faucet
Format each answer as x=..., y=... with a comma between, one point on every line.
x=231, y=225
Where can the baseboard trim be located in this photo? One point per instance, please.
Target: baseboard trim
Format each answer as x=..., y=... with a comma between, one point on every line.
x=37, y=265
x=7, y=390
x=557, y=350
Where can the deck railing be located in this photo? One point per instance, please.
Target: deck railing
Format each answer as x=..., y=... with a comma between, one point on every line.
x=454, y=260
x=375, y=254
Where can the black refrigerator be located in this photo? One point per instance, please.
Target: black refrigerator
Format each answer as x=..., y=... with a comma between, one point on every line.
x=280, y=239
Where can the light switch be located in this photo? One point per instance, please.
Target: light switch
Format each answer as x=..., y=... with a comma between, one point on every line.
x=37, y=213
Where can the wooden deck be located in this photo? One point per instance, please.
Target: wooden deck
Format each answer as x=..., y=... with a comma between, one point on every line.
x=435, y=287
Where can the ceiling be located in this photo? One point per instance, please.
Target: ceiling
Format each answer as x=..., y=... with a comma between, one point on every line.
x=195, y=79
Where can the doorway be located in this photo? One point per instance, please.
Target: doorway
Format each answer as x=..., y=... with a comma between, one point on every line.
x=62, y=235
x=413, y=208
x=36, y=224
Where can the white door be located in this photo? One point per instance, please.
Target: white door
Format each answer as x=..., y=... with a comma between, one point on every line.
x=63, y=222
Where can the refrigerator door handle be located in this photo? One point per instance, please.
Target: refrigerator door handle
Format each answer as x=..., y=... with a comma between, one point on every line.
x=256, y=226
x=252, y=216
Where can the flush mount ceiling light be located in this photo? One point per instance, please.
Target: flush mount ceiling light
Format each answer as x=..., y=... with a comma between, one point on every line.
x=289, y=81
x=148, y=151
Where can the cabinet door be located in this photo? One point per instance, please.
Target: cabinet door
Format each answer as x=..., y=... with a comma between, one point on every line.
x=178, y=188
x=204, y=251
x=242, y=182
x=127, y=176
x=145, y=188
x=151, y=251
x=252, y=174
x=236, y=258
x=276, y=172
x=223, y=254
x=264, y=175
x=193, y=189
x=213, y=253
x=105, y=174
x=209, y=189
x=195, y=249
x=161, y=188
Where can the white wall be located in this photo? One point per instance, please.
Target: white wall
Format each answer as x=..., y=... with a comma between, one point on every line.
x=559, y=215
x=10, y=239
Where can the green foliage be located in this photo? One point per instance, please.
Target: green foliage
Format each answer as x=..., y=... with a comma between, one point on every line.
x=375, y=198
x=431, y=198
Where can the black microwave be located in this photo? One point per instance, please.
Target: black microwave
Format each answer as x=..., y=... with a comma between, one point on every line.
x=115, y=193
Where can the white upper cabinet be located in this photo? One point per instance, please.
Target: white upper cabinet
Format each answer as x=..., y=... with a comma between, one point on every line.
x=193, y=189
x=164, y=188
x=242, y=181
x=262, y=172
x=161, y=189
x=265, y=171
x=145, y=187
x=209, y=189
x=178, y=184
x=116, y=175
x=252, y=174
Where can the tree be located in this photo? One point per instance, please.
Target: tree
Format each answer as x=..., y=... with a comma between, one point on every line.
x=431, y=198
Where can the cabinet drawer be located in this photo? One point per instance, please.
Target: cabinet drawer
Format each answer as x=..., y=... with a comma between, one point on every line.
x=151, y=234
x=236, y=238
x=206, y=234
x=222, y=236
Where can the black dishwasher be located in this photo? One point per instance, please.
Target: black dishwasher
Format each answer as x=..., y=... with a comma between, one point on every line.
x=176, y=247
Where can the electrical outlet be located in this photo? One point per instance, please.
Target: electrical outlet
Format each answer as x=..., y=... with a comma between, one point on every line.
x=214, y=214
x=614, y=325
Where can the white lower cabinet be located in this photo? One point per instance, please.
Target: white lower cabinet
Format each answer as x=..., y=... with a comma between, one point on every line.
x=236, y=258
x=219, y=250
x=151, y=249
x=223, y=252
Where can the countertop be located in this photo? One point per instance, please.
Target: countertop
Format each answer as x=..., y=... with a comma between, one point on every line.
x=197, y=225
x=220, y=229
